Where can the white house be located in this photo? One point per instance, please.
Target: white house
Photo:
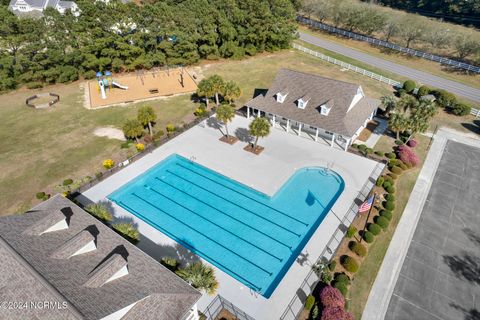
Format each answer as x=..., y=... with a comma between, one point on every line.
x=334, y=110
x=20, y=7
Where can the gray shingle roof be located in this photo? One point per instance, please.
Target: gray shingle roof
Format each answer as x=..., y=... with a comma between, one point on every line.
x=167, y=295
x=320, y=91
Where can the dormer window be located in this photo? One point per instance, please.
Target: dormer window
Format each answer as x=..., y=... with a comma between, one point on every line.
x=281, y=96
x=325, y=110
x=302, y=103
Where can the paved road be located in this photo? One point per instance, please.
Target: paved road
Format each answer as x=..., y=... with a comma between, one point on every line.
x=440, y=278
x=411, y=73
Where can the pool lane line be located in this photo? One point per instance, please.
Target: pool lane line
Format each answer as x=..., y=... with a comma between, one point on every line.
x=195, y=250
x=215, y=224
x=236, y=204
x=224, y=213
x=236, y=191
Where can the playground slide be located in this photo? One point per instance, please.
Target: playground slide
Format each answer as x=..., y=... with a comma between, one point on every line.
x=102, y=90
x=119, y=85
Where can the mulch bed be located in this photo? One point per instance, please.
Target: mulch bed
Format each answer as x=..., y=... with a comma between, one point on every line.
x=229, y=139
x=257, y=150
x=367, y=132
x=225, y=315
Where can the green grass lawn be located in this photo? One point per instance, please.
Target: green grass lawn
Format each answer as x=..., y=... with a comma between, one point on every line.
x=367, y=273
x=41, y=148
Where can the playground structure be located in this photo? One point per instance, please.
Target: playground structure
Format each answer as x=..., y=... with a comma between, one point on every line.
x=52, y=97
x=141, y=85
x=106, y=81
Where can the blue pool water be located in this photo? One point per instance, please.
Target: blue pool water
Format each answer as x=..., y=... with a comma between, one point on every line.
x=249, y=235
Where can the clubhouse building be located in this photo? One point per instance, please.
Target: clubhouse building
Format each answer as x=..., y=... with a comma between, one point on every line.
x=321, y=108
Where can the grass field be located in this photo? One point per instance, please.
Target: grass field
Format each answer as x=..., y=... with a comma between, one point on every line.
x=41, y=148
x=409, y=61
x=367, y=273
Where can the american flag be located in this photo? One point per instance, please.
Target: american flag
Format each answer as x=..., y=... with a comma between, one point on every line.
x=366, y=205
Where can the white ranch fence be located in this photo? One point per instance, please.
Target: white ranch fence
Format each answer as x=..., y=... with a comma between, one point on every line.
x=378, y=42
x=348, y=66
x=475, y=112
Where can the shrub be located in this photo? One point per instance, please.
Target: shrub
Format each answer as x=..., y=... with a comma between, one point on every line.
x=342, y=287
x=387, y=184
x=409, y=86
x=342, y=277
x=393, y=176
x=140, y=147
x=100, y=211
x=391, y=155
x=362, y=147
x=108, y=163
x=398, y=142
x=158, y=135
x=326, y=277
x=393, y=162
x=408, y=156
x=170, y=128
x=336, y=313
x=423, y=91
x=125, y=145
x=389, y=205
x=332, y=265
x=170, y=263
x=309, y=303
x=444, y=98
x=67, y=182
x=200, y=276
x=390, y=189
x=386, y=214
x=350, y=264
x=389, y=179
x=396, y=170
x=368, y=237
x=374, y=228
x=358, y=248
x=41, y=196
x=461, y=109
x=380, y=181
x=404, y=166
x=412, y=143
x=34, y=85
x=382, y=222
x=355, y=145
x=127, y=230
x=332, y=297
x=390, y=197
x=380, y=153
x=90, y=74
x=351, y=231
x=368, y=150
x=315, y=312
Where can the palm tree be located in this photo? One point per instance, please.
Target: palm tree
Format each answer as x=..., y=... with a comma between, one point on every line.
x=132, y=129
x=200, y=276
x=397, y=122
x=217, y=86
x=205, y=89
x=146, y=115
x=225, y=114
x=389, y=102
x=259, y=128
x=231, y=91
x=100, y=211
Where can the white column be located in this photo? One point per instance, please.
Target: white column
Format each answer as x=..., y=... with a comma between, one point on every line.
x=273, y=121
x=347, y=143
x=299, y=129
x=333, y=138
x=259, y=113
x=248, y=112
x=316, y=136
x=288, y=125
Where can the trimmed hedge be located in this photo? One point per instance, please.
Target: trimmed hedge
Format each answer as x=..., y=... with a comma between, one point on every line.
x=396, y=170
x=380, y=181
x=374, y=228
x=387, y=184
x=342, y=287
x=332, y=265
x=423, y=91
x=461, y=109
x=380, y=153
x=358, y=248
x=342, y=277
x=309, y=303
x=382, y=222
x=409, y=86
x=351, y=231
x=368, y=237
x=390, y=189
x=393, y=176
x=386, y=214
x=390, y=197
x=391, y=155
x=389, y=205
x=350, y=264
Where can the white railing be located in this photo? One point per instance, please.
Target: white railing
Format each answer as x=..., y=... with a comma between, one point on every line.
x=378, y=42
x=218, y=304
x=348, y=66
x=475, y=112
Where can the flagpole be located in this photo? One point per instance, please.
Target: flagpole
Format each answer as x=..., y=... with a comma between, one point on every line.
x=368, y=216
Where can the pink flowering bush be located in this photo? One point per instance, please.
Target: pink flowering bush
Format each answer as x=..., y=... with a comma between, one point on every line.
x=412, y=143
x=336, y=313
x=332, y=297
x=408, y=156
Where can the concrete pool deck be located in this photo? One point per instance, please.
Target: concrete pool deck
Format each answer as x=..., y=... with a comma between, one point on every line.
x=284, y=153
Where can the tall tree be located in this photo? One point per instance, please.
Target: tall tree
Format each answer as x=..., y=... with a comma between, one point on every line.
x=217, y=84
x=259, y=128
x=205, y=89
x=225, y=113
x=231, y=91
x=132, y=129
x=147, y=116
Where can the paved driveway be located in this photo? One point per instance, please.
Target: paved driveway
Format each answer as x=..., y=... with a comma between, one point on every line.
x=457, y=88
x=440, y=277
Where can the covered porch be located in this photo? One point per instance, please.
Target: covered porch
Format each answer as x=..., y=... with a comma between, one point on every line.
x=300, y=129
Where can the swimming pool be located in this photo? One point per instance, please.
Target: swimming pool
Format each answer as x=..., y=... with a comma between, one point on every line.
x=247, y=234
